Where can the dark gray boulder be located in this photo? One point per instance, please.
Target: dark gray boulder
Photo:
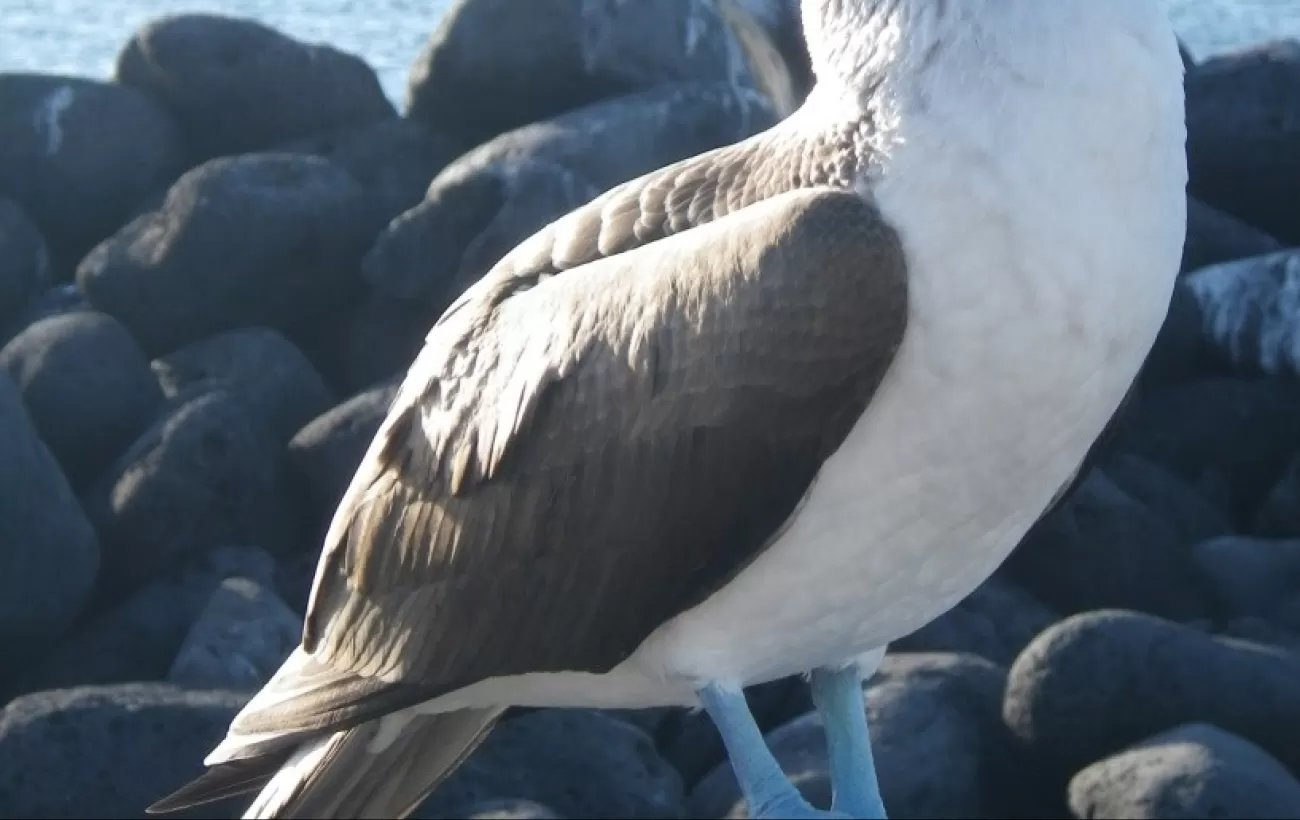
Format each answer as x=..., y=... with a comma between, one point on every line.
x=137, y=639
x=1097, y=683
x=1193, y=771
x=204, y=475
x=1168, y=495
x=1278, y=516
x=1104, y=548
x=49, y=554
x=235, y=85
x=106, y=751
x=325, y=454
x=79, y=154
x=54, y=301
x=1249, y=576
x=1215, y=237
x=239, y=640
x=1243, y=149
x=1228, y=438
x=492, y=65
x=259, y=239
x=394, y=160
x=274, y=379
x=578, y=763
x=24, y=262
x=88, y=387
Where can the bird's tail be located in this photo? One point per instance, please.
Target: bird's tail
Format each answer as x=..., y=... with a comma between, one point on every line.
x=383, y=769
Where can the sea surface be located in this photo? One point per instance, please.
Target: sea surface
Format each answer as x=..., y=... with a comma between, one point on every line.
x=81, y=37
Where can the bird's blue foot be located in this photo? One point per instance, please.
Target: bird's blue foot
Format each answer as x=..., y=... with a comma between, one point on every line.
x=767, y=792
x=837, y=694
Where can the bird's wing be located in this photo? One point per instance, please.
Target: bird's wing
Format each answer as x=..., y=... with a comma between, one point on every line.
x=575, y=459
x=590, y=456
x=666, y=202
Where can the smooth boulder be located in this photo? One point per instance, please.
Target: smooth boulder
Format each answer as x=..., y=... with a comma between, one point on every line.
x=235, y=85
x=24, y=262
x=1215, y=237
x=276, y=381
x=1104, y=548
x=394, y=160
x=1249, y=576
x=49, y=554
x=492, y=65
x=1278, y=516
x=259, y=239
x=1229, y=438
x=1243, y=149
x=79, y=154
x=1096, y=683
x=1194, y=771
x=88, y=387
x=1167, y=494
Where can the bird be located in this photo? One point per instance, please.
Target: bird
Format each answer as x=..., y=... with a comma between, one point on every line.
x=750, y=416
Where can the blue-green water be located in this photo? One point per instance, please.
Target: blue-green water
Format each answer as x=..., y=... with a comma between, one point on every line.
x=83, y=36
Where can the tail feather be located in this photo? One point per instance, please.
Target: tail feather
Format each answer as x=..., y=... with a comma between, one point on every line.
x=383, y=768
x=220, y=782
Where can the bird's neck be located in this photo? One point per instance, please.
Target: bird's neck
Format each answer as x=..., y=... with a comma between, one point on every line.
x=858, y=45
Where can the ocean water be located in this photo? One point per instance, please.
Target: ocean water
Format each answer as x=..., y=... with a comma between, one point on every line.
x=82, y=37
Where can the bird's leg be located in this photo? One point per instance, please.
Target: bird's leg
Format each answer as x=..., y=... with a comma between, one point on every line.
x=767, y=791
x=837, y=694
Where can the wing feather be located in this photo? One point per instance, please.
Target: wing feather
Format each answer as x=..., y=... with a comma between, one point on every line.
x=587, y=457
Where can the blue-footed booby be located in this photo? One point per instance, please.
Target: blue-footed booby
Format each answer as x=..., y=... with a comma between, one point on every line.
x=752, y=415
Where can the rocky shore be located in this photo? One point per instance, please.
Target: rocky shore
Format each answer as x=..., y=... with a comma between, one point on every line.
x=214, y=266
